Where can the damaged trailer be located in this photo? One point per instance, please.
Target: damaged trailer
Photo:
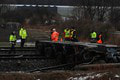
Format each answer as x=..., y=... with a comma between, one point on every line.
x=79, y=52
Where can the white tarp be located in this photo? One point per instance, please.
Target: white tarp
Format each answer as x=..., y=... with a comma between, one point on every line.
x=18, y=41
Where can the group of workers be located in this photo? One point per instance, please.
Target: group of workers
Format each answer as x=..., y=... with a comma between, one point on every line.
x=13, y=38
x=71, y=35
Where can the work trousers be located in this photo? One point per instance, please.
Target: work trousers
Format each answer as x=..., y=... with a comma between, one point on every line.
x=74, y=40
x=67, y=39
x=12, y=49
x=22, y=42
x=93, y=40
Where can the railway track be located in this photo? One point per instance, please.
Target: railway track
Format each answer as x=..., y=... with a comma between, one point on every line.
x=21, y=57
x=20, y=53
x=82, y=67
x=18, y=49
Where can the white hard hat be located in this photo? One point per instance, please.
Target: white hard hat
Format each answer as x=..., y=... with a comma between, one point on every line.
x=54, y=29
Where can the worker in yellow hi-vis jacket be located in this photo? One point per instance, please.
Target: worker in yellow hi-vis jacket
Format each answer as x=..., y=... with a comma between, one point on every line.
x=23, y=35
x=12, y=40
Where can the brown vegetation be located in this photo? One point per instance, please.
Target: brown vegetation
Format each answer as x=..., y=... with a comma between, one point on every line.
x=84, y=29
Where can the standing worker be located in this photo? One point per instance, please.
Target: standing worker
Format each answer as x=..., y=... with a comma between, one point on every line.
x=73, y=35
x=93, y=36
x=23, y=35
x=67, y=34
x=12, y=40
x=54, y=35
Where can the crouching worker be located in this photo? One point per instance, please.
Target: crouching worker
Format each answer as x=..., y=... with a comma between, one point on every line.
x=93, y=37
x=12, y=40
x=54, y=35
x=100, y=40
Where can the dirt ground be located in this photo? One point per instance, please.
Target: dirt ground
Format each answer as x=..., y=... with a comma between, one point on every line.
x=63, y=75
x=109, y=72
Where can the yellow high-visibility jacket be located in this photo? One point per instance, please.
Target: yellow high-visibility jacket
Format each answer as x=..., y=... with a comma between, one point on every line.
x=67, y=34
x=23, y=33
x=94, y=35
x=12, y=38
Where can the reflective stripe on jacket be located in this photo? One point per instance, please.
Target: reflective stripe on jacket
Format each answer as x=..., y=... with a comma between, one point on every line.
x=12, y=38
